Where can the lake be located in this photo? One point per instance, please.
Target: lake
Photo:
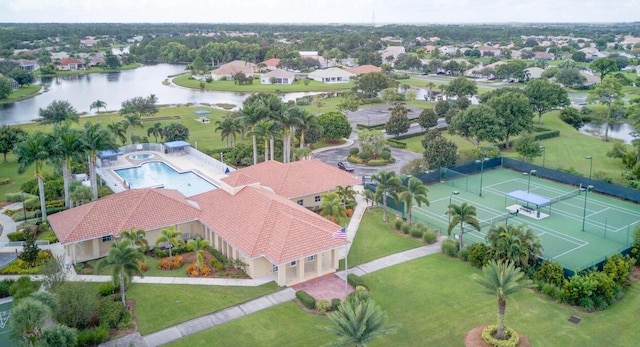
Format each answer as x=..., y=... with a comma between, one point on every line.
x=620, y=131
x=114, y=88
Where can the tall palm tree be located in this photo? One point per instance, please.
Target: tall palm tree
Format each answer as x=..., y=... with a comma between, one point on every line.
x=119, y=130
x=67, y=146
x=501, y=279
x=332, y=209
x=358, y=322
x=133, y=121
x=264, y=129
x=229, y=127
x=198, y=245
x=517, y=244
x=258, y=107
x=98, y=104
x=136, y=237
x=307, y=122
x=171, y=235
x=124, y=262
x=388, y=184
x=35, y=149
x=430, y=86
x=95, y=139
x=346, y=194
x=155, y=130
x=289, y=120
x=462, y=214
x=415, y=191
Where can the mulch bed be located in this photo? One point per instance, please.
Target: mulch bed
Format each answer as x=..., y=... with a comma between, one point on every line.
x=474, y=338
x=190, y=258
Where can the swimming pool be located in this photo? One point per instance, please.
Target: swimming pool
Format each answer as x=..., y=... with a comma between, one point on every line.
x=159, y=174
x=142, y=156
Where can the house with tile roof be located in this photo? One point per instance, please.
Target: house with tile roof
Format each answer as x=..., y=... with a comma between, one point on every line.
x=331, y=75
x=278, y=76
x=271, y=64
x=363, y=69
x=70, y=64
x=255, y=216
x=229, y=69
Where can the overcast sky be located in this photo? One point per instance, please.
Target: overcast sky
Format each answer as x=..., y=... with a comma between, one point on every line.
x=319, y=11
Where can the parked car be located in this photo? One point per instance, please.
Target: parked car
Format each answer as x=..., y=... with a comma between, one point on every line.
x=343, y=165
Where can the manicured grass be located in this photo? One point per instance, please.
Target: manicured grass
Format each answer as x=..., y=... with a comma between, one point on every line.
x=162, y=305
x=231, y=86
x=376, y=239
x=282, y=325
x=435, y=303
x=10, y=170
x=89, y=70
x=24, y=92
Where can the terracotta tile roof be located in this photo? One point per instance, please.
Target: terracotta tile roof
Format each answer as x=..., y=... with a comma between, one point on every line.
x=363, y=69
x=144, y=209
x=239, y=180
x=279, y=73
x=296, y=179
x=236, y=66
x=273, y=62
x=67, y=61
x=270, y=225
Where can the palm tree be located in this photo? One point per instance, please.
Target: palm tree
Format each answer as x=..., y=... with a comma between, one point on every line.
x=346, y=194
x=517, y=244
x=155, y=130
x=136, y=238
x=388, y=184
x=332, y=209
x=35, y=149
x=119, y=130
x=461, y=214
x=264, y=129
x=258, y=107
x=501, y=279
x=124, y=262
x=67, y=146
x=198, y=245
x=229, y=128
x=95, y=139
x=415, y=191
x=430, y=86
x=98, y=104
x=291, y=118
x=307, y=122
x=358, y=322
x=133, y=121
x=170, y=235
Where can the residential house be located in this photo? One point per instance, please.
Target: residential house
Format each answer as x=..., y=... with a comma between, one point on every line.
x=591, y=78
x=489, y=51
x=278, y=76
x=534, y=72
x=28, y=65
x=88, y=42
x=271, y=64
x=331, y=75
x=391, y=39
x=391, y=54
x=429, y=49
x=71, y=64
x=261, y=224
x=483, y=71
x=228, y=70
x=447, y=50
x=322, y=61
x=363, y=69
x=543, y=55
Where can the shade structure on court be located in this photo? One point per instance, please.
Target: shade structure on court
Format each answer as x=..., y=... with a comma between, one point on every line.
x=529, y=198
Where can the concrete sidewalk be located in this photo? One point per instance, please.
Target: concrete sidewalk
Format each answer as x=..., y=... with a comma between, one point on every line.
x=393, y=259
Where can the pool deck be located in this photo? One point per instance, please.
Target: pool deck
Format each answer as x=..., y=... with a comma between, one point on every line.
x=193, y=160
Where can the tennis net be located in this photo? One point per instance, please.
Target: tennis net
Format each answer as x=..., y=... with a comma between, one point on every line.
x=565, y=196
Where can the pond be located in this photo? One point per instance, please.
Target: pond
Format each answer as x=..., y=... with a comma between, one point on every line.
x=114, y=88
x=619, y=131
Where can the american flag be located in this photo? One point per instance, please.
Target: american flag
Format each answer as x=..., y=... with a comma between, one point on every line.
x=340, y=233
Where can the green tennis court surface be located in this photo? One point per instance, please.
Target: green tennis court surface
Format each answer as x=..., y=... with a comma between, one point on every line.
x=5, y=310
x=608, y=222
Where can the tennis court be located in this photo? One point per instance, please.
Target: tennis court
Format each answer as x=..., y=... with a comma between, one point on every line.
x=5, y=310
x=608, y=222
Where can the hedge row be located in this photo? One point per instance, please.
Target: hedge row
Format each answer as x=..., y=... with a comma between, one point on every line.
x=307, y=300
x=356, y=281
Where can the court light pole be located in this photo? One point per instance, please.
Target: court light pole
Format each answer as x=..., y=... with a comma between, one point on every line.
x=584, y=210
x=529, y=180
x=455, y=192
x=590, y=158
x=544, y=151
x=481, y=162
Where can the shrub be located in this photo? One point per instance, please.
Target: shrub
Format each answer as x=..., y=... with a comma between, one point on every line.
x=93, y=336
x=550, y=272
x=110, y=311
x=335, y=303
x=16, y=236
x=170, y=263
x=385, y=155
x=4, y=287
x=307, y=300
x=449, y=247
x=364, y=156
x=417, y=233
x=619, y=269
x=107, y=289
x=378, y=162
x=143, y=266
x=430, y=236
x=463, y=254
x=19, y=267
x=23, y=287
x=323, y=305
x=356, y=281
x=4, y=181
x=354, y=151
x=348, y=212
x=512, y=341
x=216, y=264
x=406, y=228
x=479, y=254
x=397, y=224
x=589, y=289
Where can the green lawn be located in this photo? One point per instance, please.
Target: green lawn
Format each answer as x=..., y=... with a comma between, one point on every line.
x=23, y=92
x=435, y=303
x=376, y=239
x=89, y=70
x=231, y=86
x=162, y=305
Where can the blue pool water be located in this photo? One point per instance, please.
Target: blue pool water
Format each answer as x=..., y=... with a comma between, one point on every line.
x=159, y=174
